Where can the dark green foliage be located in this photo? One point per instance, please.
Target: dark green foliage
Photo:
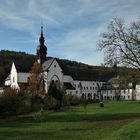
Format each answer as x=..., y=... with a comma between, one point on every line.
x=101, y=104
x=36, y=103
x=13, y=104
x=50, y=103
x=78, y=71
x=39, y=116
x=71, y=100
x=84, y=103
x=20, y=58
x=56, y=92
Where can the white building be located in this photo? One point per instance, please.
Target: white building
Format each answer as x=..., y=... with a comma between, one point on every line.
x=16, y=78
x=91, y=86
x=113, y=90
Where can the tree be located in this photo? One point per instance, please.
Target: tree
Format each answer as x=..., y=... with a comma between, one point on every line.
x=36, y=87
x=121, y=44
x=57, y=92
x=36, y=80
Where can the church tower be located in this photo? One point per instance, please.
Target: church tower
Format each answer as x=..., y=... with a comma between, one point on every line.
x=41, y=49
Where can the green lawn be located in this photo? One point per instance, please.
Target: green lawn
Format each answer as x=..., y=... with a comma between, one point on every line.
x=116, y=121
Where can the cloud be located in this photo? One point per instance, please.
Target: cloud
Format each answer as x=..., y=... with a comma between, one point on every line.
x=78, y=45
x=72, y=28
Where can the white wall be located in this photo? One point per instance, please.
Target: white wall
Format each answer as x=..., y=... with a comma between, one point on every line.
x=72, y=92
x=87, y=87
x=14, y=77
x=125, y=94
x=137, y=92
x=7, y=81
x=54, y=73
x=23, y=77
x=1, y=90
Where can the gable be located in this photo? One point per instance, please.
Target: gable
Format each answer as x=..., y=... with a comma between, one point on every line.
x=51, y=64
x=13, y=69
x=53, y=69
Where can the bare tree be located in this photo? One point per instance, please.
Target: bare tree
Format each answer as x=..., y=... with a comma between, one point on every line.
x=121, y=43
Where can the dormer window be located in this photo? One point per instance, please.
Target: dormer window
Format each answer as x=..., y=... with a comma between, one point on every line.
x=54, y=65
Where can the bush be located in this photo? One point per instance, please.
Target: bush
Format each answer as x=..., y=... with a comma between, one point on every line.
x=57, y=91
x=39, y=116
x=51, y=103
x=70, y=99
x=36, y=103
x=101, y=104
x=25, y=106
x=9, y=105
x=13, y=104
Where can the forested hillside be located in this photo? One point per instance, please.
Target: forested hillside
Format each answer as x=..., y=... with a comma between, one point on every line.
x=8, y=57
x=78, y=71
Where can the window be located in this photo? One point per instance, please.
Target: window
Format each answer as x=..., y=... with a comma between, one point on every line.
x=124, y=91
x=54, y=65
x=93, y=88
x=83, y=95
x=87, y=87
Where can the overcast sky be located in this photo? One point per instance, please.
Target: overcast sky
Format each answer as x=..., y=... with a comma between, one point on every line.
x=72, y=28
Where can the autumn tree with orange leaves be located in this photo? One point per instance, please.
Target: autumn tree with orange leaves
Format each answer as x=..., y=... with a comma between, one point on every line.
x=36, y=80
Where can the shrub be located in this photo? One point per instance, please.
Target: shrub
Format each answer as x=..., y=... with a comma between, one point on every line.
x=57, y=91
x=101, y=104
x=84, y=103
x=39, y=116
x=9, y=105
x=13, y=104
x=70, y=99
x=36, y=103
x=50, y=103
x=25, y=106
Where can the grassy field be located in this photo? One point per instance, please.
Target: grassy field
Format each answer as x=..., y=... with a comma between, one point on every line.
x=116, y=121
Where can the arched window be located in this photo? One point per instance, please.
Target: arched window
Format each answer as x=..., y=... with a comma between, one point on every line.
x=83, y=95
x=89, y=96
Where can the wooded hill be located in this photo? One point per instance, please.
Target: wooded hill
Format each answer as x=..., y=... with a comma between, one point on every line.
x=78, y=71
x=8, y=57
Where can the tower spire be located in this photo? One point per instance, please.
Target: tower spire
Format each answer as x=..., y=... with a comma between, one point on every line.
x=42, y=40
x=41, y=29
x=41, y=49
